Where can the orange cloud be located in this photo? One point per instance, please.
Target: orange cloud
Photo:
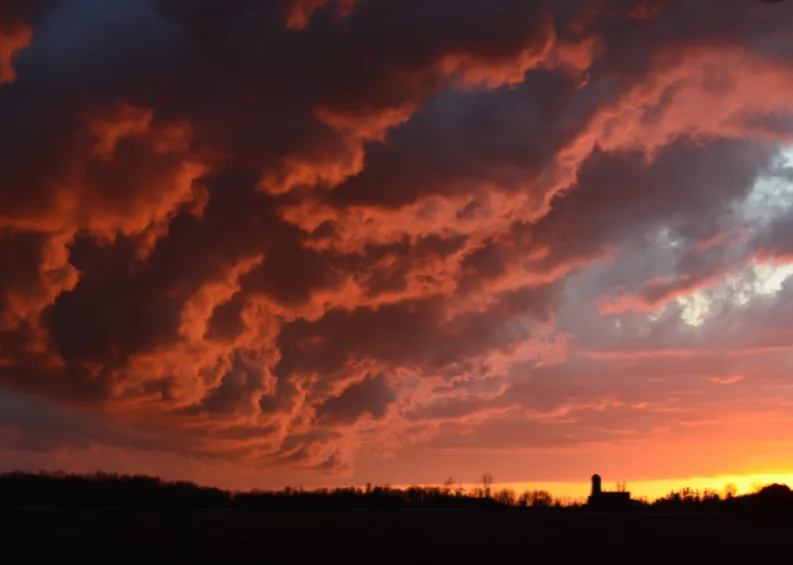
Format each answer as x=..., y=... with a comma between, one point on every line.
x=11, y=43
x=299, y=12
x=279, y=235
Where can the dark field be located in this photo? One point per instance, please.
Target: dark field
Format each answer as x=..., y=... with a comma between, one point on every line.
x=408, y=536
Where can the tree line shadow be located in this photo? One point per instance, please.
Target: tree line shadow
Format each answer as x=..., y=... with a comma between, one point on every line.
x=103, y=490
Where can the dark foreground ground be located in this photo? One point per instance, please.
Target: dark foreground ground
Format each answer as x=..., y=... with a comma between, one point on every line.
x=389, y=536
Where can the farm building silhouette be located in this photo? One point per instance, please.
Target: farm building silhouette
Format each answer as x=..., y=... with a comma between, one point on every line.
x=607, y=500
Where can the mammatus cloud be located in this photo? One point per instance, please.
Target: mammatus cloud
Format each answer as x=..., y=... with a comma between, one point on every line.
x=302, y=234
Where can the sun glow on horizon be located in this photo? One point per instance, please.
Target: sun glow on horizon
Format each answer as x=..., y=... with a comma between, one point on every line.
x=649, y=489
x=656, y=488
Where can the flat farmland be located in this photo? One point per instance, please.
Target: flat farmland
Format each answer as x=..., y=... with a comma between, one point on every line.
x=56, y=535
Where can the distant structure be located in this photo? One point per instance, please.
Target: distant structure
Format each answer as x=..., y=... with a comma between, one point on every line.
x=605, y=500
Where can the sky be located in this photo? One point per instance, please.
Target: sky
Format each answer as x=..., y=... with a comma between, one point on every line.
x=254, y=243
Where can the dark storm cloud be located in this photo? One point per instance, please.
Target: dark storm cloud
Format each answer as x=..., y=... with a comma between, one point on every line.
x=461, y=142
x=222, y=217
x=410, y=333
x=371, y=396
x=623, y=198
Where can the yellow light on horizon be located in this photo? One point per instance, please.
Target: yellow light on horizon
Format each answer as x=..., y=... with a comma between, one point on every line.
x=656, y=488
x=650, y=489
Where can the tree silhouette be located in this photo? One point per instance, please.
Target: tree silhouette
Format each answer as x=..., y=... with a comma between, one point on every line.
x=487, y=483
x=540, y=499
x=106, y=490
x=506, y=497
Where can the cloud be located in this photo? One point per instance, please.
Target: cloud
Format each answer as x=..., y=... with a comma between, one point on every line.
x=299, y=12
x=371, y=396
x=299, y=235
x=11, y=43
x=15, y=35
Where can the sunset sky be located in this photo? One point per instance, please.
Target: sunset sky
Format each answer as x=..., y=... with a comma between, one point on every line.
x=252, y=243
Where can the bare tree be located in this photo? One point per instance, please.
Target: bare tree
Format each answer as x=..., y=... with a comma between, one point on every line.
x=730, y=490
x=506, y=497
x=540, y=499
x=487, y=483
x=621, y=487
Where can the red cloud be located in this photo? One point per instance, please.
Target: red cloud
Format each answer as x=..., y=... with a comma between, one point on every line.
x=299, y=12
x=304, y=233
x=11, y=43
x=16, y=34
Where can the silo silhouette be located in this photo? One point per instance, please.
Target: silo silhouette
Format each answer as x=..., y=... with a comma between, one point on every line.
x=596, y=485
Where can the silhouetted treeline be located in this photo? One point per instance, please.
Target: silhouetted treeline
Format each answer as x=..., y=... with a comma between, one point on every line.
x=109, y=490
x=105, y=490
x=773, y=500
